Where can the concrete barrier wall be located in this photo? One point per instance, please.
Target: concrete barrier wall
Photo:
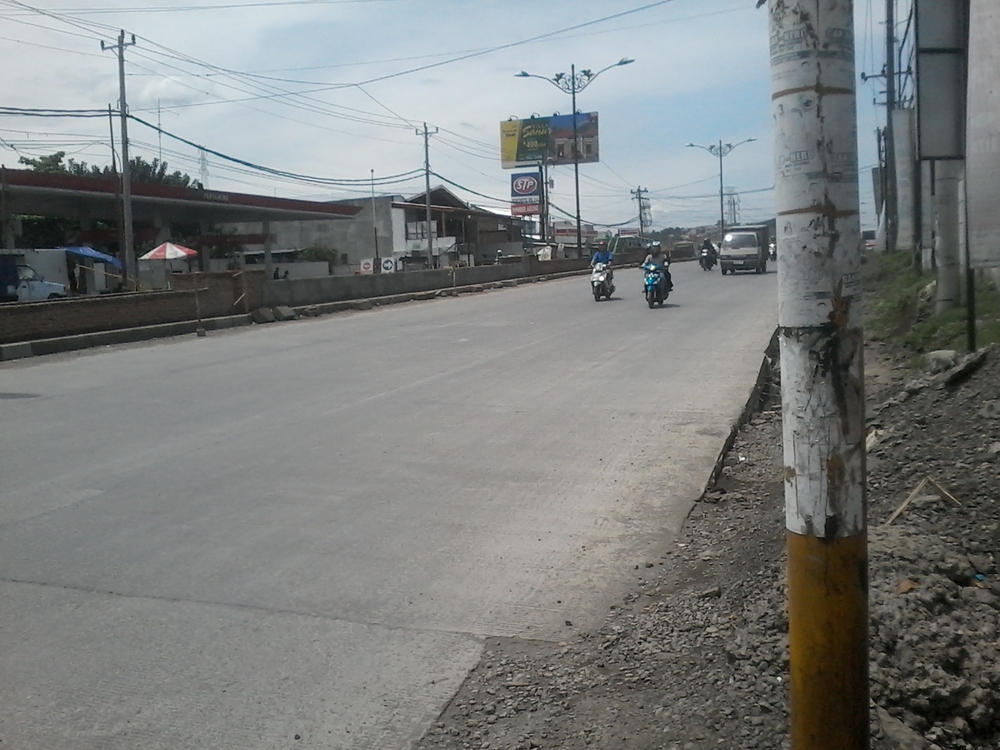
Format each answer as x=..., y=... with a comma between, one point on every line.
x=300, y=292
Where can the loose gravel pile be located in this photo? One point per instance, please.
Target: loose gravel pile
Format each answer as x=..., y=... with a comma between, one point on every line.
x=696, y=655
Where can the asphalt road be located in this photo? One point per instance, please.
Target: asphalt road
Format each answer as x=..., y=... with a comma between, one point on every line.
x=299, y=535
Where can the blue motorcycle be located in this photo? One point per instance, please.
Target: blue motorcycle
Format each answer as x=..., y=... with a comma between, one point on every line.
x=654, y=285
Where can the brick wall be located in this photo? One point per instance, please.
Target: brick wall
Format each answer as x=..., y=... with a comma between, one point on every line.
x=218, y=295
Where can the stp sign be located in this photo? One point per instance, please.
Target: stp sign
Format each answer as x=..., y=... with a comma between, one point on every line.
x=525, y=188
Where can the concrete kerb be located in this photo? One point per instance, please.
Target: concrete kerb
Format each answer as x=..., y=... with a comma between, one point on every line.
x=39, y=347
x=764, y=375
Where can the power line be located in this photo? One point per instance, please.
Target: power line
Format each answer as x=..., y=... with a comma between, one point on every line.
x=31, y=112
x=388, y=180
x=210, y=6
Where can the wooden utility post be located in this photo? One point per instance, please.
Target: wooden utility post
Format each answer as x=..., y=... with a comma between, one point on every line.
x=819, y=319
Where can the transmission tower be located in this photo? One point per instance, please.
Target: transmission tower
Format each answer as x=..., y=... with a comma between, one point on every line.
x=732, y=207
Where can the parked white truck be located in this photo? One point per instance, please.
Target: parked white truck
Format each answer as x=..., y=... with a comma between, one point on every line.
x=20, y=282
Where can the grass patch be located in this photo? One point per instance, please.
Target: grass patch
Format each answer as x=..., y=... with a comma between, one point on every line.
x=900, y=308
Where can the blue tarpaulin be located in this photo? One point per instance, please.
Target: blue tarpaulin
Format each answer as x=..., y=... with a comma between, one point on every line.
x=89, y=252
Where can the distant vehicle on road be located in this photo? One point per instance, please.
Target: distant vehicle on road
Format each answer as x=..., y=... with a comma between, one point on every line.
x=745, y=248
x=683, y=249
x=21, y=283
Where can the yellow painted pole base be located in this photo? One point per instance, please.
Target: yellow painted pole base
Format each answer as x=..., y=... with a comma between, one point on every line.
x=828, y=642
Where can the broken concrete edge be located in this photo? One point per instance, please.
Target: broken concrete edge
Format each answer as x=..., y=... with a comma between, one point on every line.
x=764, y=375
x=41, y=347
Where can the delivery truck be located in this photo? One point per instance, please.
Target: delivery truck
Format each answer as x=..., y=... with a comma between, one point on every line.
x=745, y=248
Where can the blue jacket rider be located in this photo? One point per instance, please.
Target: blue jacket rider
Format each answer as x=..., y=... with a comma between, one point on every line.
x=604, y=256
x=661, y=260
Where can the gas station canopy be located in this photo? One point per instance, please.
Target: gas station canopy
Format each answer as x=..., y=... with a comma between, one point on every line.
x=43, y=194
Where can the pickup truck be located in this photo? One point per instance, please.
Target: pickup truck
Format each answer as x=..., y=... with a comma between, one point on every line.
x=745, y=248
x=21, y=283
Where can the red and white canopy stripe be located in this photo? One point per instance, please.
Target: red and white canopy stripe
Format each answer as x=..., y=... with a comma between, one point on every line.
x=168, y=251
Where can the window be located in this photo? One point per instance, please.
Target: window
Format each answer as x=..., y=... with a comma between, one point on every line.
x=417, y=230
x=741, y=241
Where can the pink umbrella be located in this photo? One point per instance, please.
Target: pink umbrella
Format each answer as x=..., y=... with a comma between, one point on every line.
x=168, y=251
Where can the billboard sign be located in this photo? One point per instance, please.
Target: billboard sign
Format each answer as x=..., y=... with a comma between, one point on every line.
x=525, y=209
x=548, y=140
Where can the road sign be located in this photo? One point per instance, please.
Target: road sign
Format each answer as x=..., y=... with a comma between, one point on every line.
x=367, y=265
x=388, y=265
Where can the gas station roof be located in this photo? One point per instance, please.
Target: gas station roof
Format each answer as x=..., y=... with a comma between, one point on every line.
x=43, y=194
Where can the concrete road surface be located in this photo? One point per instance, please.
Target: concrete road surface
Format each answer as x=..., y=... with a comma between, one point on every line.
x=299, y=535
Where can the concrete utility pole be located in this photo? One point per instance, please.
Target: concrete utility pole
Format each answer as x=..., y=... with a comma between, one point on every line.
x=947, y=240
x=131, y=272
x=819, y=319
x=639, y=195
x=374, y=224
x=427, y=185
x=543, y=205
x=891, y=190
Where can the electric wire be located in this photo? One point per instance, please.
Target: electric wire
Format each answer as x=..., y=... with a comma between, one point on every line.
x=390, y=179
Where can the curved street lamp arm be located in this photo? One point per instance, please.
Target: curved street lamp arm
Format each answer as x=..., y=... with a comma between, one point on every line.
x=730, y=146
x=574, y=83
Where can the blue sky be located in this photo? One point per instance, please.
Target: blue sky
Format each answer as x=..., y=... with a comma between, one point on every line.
x=700, y=74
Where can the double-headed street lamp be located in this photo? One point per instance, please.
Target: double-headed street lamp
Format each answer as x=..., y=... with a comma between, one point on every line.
x=721, y=150
x=571, y=84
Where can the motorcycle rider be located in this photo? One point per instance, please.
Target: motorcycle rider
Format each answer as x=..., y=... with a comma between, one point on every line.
x=659, y=259
x=605, y=256
x=708, y=248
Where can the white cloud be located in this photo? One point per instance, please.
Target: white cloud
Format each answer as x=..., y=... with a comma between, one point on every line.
x=699, y=75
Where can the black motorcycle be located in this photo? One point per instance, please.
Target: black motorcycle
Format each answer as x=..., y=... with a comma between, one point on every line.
x=707, y=260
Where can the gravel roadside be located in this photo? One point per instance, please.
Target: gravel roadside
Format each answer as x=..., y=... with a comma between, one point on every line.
x=695, y=656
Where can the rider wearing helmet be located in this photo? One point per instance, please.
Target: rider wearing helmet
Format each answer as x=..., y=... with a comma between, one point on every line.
x=661, y=260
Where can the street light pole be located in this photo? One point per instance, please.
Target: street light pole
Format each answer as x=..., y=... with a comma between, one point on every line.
x=722, y=200
x=721, y=150
x=576, y=162
x=571, y=84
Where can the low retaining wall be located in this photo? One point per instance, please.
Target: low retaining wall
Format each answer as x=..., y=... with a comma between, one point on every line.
x=219, y=295
x=302, y=292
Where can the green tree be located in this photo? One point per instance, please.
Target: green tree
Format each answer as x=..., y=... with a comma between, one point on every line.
x=152, y=172
x=51, y=164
